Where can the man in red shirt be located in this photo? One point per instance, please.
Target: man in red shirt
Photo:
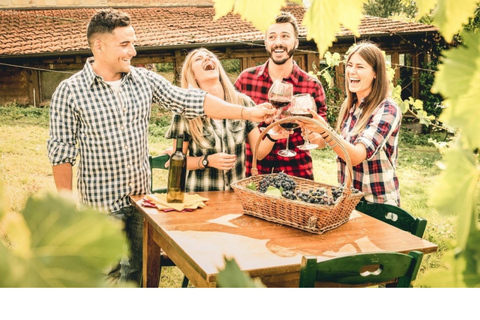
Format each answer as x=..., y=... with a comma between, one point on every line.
x=281, y=40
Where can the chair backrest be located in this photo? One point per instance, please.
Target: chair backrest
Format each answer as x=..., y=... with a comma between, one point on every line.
x=394, y=216
x=157, y=162
x=365, y=269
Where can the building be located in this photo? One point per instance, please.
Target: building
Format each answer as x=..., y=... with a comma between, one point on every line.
x=42, y=46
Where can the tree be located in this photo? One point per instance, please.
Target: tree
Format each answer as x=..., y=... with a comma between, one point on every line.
x=389, y=8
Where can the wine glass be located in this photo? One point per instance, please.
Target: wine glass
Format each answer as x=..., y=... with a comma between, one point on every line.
x=280, y=94
x=286, y=112
x=301, y=103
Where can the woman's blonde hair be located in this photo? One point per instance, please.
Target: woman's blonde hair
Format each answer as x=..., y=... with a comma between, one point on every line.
x=231, y=94
x=380, y=86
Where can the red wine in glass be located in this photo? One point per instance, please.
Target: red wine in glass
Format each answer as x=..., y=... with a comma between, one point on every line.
x=301, y=103
x=302, y=114
x=289, y=125
x=279, y=102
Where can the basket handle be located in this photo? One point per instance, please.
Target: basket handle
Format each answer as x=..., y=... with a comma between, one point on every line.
x=329, y=130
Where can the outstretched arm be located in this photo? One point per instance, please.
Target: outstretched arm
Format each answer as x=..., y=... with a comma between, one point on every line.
x=357, y=152
x=219, y=109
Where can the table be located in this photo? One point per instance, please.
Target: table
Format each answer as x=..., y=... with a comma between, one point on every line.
x=198, y=241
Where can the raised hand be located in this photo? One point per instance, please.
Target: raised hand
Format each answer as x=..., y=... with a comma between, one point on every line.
x=312, y=127
x=261, y=113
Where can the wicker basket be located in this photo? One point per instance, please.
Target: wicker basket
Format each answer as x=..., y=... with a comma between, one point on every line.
x=314, y=218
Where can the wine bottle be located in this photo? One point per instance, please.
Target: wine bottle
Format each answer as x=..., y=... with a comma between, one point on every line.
x=177, y=173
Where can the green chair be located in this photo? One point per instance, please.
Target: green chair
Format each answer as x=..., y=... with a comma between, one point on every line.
x=158, y=162
x=394, y=216
x=366, y=269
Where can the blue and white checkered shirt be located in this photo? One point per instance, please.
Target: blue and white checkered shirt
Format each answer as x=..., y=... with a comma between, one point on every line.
x=108, y=130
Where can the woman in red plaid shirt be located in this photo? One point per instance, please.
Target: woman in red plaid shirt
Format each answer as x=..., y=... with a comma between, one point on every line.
x=369, y=123
x=280, y=42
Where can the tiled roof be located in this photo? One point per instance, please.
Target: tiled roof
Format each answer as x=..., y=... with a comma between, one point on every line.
x=41, y=31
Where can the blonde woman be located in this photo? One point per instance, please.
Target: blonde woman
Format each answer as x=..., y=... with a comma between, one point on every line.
x=369, y=123
x=216, y=148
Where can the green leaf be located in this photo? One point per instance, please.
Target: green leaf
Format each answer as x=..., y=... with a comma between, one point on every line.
x=425, y=6
x=455, y=191
x=70, y=247
x=273, y=191
x=3, y=204
x=458, y=79
x=252, y=186
x=325, y=18
x=328, y=79
x=449, y=16
x=260, y=13
x=448, y=277
x=18, y=233
x=222, y=8
x=232, y=277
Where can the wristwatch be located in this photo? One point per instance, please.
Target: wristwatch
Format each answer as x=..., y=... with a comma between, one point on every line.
x=205, y=162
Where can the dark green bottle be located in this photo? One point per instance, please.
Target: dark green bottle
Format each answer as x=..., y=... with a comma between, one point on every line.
x=177, y=174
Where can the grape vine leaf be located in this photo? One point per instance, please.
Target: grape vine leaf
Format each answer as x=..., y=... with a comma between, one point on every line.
x=260, y=13
x=231, y=276
x=425, y=7
x=69, y=247
x=14, y=232
x=458, y=79
x=455, y=191
x=449, y=276
x=19, y=235
x=2, y=203
x=325, y=18
x=449, y=16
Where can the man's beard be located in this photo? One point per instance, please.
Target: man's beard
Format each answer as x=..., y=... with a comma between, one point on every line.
x=280, y=62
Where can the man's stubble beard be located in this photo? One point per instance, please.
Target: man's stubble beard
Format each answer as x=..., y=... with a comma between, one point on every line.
x=281, y=62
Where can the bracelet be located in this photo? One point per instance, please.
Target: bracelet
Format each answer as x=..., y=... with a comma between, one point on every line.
x=241, y=113
x=328, y=141
x=198, y=163
x=270, y=138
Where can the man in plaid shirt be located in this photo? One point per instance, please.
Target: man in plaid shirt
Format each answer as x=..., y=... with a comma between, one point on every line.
x=101, y=116
x=281, y=42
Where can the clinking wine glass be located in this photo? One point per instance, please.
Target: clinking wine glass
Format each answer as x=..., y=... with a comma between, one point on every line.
x=301, y=103
x=286, y=112
x=280, y=94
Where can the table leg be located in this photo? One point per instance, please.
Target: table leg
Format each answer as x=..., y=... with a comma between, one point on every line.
x=151, y=258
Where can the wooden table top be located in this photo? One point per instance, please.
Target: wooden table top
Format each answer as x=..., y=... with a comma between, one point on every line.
x=205, y=236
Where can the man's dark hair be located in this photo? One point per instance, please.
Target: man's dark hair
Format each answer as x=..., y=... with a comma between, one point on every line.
x=284, y=17
x=105, y=21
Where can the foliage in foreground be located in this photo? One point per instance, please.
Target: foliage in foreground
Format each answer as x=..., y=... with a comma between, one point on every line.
x=55, y=244
x=231, y=276
x=456, y=80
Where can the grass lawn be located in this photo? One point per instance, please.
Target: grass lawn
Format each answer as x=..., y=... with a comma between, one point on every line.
x=25, y=171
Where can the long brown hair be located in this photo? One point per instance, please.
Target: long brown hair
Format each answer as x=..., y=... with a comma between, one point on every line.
x=231, y=94
x=380, y=86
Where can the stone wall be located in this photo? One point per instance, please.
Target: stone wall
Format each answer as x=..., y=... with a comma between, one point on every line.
x=4, y=4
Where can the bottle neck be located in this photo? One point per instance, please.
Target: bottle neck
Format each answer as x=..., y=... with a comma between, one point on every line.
x=179, y=144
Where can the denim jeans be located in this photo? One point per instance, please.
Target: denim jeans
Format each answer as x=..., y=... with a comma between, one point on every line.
x=130, y=268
